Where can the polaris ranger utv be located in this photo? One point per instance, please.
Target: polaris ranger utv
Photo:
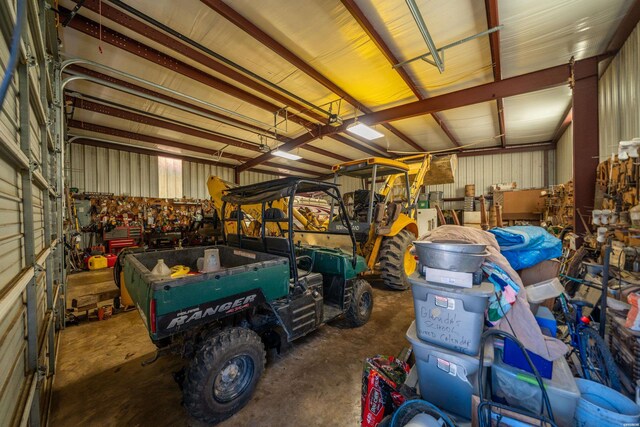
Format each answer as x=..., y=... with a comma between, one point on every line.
x=270, y=290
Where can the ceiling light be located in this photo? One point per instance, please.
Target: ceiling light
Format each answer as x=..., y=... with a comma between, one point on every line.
x=286, y=155
x=364, y=131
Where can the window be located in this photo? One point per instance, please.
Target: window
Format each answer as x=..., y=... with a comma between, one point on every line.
x=169, y=178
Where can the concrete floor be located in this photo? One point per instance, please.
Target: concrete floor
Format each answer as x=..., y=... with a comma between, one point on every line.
x=317, y=382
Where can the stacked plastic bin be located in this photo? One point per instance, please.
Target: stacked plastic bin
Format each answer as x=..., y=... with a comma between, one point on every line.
x=446, y=336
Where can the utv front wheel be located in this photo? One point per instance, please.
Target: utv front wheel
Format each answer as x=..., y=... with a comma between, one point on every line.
x=223, y=374
x=361, y=304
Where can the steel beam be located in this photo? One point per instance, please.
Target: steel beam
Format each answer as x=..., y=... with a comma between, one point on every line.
x=626, y=27
x=567, y=118
x=141, y=50
x=531, y=82
x=140, y=118
x=493, y=20
x=585, y=140
x=240, y=123
x=247, y=26
x=375, y=37
x=91, y=127
x=516, y=148
x=164, y=39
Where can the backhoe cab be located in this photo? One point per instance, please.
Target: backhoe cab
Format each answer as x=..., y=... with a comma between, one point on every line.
x=382, y=212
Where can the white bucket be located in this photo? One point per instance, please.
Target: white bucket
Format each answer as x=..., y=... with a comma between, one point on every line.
x=211, y=260
x=600, y=406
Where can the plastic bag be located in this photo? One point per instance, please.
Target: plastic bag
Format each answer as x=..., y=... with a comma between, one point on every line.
x=526, y=246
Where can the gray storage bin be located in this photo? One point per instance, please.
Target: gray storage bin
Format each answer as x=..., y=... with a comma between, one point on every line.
x=520, y=389
x=447, y=378
x=450, y=316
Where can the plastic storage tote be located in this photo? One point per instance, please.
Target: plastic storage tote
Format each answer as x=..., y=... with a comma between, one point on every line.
x=521, y=390
x=447, y=378
x=539, y=292
x=449, y=316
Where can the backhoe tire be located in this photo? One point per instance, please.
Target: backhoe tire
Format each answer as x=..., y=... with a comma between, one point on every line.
x=396, y=262
x=223, y=374
x=361, y=306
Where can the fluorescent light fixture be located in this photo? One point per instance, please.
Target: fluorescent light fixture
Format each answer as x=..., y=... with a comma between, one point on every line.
x=286, y=155
x=364, y=131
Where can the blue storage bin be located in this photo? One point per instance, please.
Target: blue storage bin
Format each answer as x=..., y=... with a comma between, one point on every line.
x=513, y=355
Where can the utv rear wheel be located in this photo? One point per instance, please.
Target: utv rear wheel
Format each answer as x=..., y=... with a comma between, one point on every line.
x=223, y=374
x=397, y=262
x=361, y=304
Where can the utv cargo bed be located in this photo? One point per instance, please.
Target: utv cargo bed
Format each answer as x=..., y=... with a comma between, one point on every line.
x=168, y=306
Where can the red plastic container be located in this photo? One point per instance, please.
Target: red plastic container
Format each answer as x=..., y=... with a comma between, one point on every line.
x=111, y=260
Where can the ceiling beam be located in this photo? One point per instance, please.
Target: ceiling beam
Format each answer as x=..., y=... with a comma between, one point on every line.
x=493, y=20
x=151, y=121
x=279, y=137
x=375, y=37
x=530, y=82
x=515, y=148
x=624, y=30
x=110, y=36
x=91, y=127
x=126, y=84
x=152, y=152
x=107, y=35
x=95, y=107
x=567, y=118
x=247, y=26
x=626, y=27
x=149, y=32
x=106, y=130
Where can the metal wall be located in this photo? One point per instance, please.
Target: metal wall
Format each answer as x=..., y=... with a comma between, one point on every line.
x=31, y=277
x=195, y=176
x=526, y=169
x=564, y=156
x=98, y=169
x=619, y=97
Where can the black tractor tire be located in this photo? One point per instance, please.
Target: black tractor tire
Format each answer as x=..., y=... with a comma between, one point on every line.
x=392, y=253
x=236, y=352
x=361, y=306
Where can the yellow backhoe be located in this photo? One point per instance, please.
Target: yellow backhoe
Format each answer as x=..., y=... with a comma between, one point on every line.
x=384, y=212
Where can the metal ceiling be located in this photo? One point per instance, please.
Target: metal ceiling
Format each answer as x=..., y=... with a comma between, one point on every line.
x=252, y=59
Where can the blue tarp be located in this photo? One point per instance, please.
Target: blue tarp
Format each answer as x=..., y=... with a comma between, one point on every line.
x=526, y=246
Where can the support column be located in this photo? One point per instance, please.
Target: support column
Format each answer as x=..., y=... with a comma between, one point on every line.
x=585, y=139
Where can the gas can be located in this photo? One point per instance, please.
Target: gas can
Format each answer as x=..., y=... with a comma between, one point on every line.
x=97, y=262
x=111, y=259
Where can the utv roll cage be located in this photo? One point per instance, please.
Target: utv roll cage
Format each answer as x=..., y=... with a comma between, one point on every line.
x=264, y=194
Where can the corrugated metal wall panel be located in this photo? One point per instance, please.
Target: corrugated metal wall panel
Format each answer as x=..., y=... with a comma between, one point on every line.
x=38, y=218
x=12, y=360
x=195, y=176
x=526, y=169
x=120, y=172
x=11, y=243
x=619, y=97
x=9, y=112
x=564, y=152
x=251, y=177
x=24, y=306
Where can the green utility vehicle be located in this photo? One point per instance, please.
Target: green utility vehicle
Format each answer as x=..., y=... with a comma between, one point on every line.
x=271, y=289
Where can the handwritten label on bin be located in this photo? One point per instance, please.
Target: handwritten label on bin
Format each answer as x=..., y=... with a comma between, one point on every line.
x=439, y=323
